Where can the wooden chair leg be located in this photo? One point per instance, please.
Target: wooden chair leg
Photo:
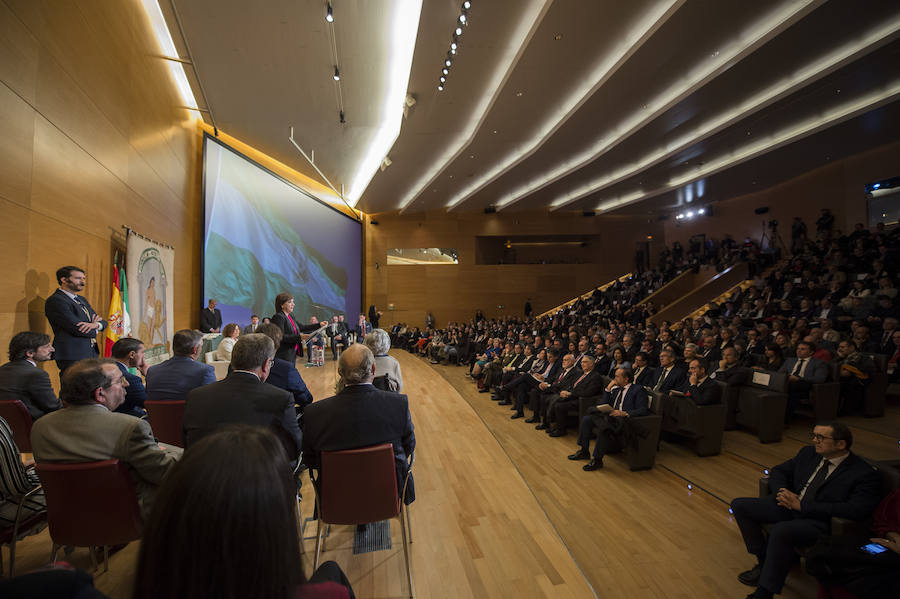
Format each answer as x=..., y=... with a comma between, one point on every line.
x=318, y=545
x=409, y=578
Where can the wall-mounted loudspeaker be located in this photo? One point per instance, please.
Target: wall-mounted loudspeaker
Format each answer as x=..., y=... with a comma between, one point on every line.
x=761, y=210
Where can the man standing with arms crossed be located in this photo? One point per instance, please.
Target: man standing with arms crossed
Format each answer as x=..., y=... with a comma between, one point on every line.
x=75, y=324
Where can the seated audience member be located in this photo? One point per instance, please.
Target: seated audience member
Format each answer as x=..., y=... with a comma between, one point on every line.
x=229, y=338
x=671, y=376
x=22, y=379
x=618, y=361
x=701, y=389
x=644, y=374
x=842, y=568
x=546, y=391
x=379, y=343
x=772, y=358
x=237, y=536
x=622, y=400
x=254, y=323
x=730, y=370
x=803, y=372
x=589, y=384
x=525, y=378
x=360, y=415
x=284, y=374
x=855, y=370
x=172, y=379
x=128, y=352
x=821, y=481
x=337, y=334
x=211, y=318
x=315, y=340
x=243, y=397
x=16, y=481
x=88, y=429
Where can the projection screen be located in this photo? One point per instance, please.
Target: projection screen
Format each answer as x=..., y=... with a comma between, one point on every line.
x=263, y=235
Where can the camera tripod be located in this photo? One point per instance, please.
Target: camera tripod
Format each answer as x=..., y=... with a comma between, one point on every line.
x=773, y=237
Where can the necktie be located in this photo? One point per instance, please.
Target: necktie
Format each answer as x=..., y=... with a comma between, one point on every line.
x=662, y=378
x=562, y=373
x=799, y=367
x=818, y=480
x=620, y=393
x=579, y=380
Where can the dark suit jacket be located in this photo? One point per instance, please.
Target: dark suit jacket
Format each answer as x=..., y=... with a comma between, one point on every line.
x=816, y=371
x=359, y=416
x=22, y=380
x=288, y=348
x=241, y=398
x=284, y=375
x=172, y=379
x=636, y=402
x=64, y=315
x=706, y=393
x=676, y=380
x=736, y=375
x=554, y=371
x=852, y=491
x=589, y=386
x=210, y=321
x=566, y=383
x=647, y=377
x=135, y=394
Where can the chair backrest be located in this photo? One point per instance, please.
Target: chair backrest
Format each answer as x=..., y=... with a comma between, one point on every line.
x=165, y=419
x=210, y=357
x=16, y=415
x=91, y=503
x=357, y=486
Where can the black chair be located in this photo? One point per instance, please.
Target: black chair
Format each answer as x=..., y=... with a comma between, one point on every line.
x=876, y=392
x=703, y=425
x=760, y=404
x=640, y=443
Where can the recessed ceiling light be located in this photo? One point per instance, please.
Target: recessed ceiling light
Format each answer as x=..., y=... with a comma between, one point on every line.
x=471, y=155
x=447, y=62
x=462, y=18
x=453, y=45
x=443, y=79
x=445, y=71
x=557, y=37
x=495, y=130
x=329, y=15
x=337, y=74
x=467, y=5
x=519, y=94
x=459, y=31
x=440, y=88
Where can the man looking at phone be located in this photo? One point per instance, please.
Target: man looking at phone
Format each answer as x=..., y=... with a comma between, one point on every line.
x=821, y=481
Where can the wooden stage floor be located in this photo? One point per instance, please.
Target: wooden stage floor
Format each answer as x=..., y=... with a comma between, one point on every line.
x=501, y=512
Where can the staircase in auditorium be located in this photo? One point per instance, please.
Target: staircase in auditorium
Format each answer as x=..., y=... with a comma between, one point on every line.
x=584, y=296
x=691, y=291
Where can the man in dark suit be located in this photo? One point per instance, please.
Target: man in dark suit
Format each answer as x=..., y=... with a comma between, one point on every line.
x=821, y=481
x=284, y=374
x=670, y=377
x=803, y=372
x=337, y=333
x=360, y=416
x=129, y=353
x=243, y=397
x=210, y=318
x=254, y=324
x=730, y=370
x=519, y=388
x=172, y=379
x=644, y=374
x=22, y=379
x=539, y=398
x=702, y=390
x=75, y=324
x=622, y=400
x=589, y=384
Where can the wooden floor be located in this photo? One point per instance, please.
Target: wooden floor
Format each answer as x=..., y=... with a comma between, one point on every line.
x=501, y=512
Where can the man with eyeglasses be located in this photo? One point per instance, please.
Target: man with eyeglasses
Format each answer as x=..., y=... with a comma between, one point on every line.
x=88, y=428
x=244, y=397
x=822, y=481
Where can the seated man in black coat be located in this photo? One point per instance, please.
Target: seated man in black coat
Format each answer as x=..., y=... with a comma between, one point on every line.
x=21, y=378
x=621, y=401
x=128, y=352
x=669, y=376
x=821, y=481
x=730, y=370
x=283, y=373
x=360, y=416
x=243, y=397
x=589, y=384
x=702, y=390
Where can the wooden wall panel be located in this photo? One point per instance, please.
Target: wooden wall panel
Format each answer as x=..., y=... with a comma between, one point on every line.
x=93, y=139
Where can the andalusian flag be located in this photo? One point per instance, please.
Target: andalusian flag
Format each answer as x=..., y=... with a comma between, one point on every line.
x=126, y=318
x=114, y=322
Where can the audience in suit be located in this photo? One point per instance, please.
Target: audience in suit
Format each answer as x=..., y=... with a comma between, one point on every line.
x=172, y=379
x=338, y=335
x=670, y=376
x=284, y=374
x=730, y=370
x=21, y=378
x=251, y=328
x=128, y=352
x=88, y=429
x=589, y=384
x=621, y=400
x=210, y=318
x=237, y=537
x=541, y=398
x=701, y=389
x=243, y=397
x=644, y=374
x=803, y=372
x=822, y=481
x=359, y=416
x=75, y=324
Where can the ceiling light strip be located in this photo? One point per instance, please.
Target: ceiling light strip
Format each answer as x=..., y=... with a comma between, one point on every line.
x=531, y=15
x=797, y=132
x=609, y=64
x=402, y=41
x=765, y=29
x=821, y=67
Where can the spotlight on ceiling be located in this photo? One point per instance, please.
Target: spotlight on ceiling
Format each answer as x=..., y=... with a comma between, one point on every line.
x=690, y=214
x=443, y=79
x=462, y=19
x=329, y=14
x=445, y=72
x=440, y=87
x=447, y=62
x=453, y=45
x=467, y=5
x=701, y=211
x=342, y=117
x=459, y=31
x=337, y=74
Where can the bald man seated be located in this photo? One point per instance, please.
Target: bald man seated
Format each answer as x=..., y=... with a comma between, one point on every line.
x=360, y=415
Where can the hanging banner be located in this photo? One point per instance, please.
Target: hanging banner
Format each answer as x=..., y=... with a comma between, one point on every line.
x=150, y=295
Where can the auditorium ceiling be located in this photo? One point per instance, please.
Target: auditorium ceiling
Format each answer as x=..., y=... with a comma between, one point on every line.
x=637, y=107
